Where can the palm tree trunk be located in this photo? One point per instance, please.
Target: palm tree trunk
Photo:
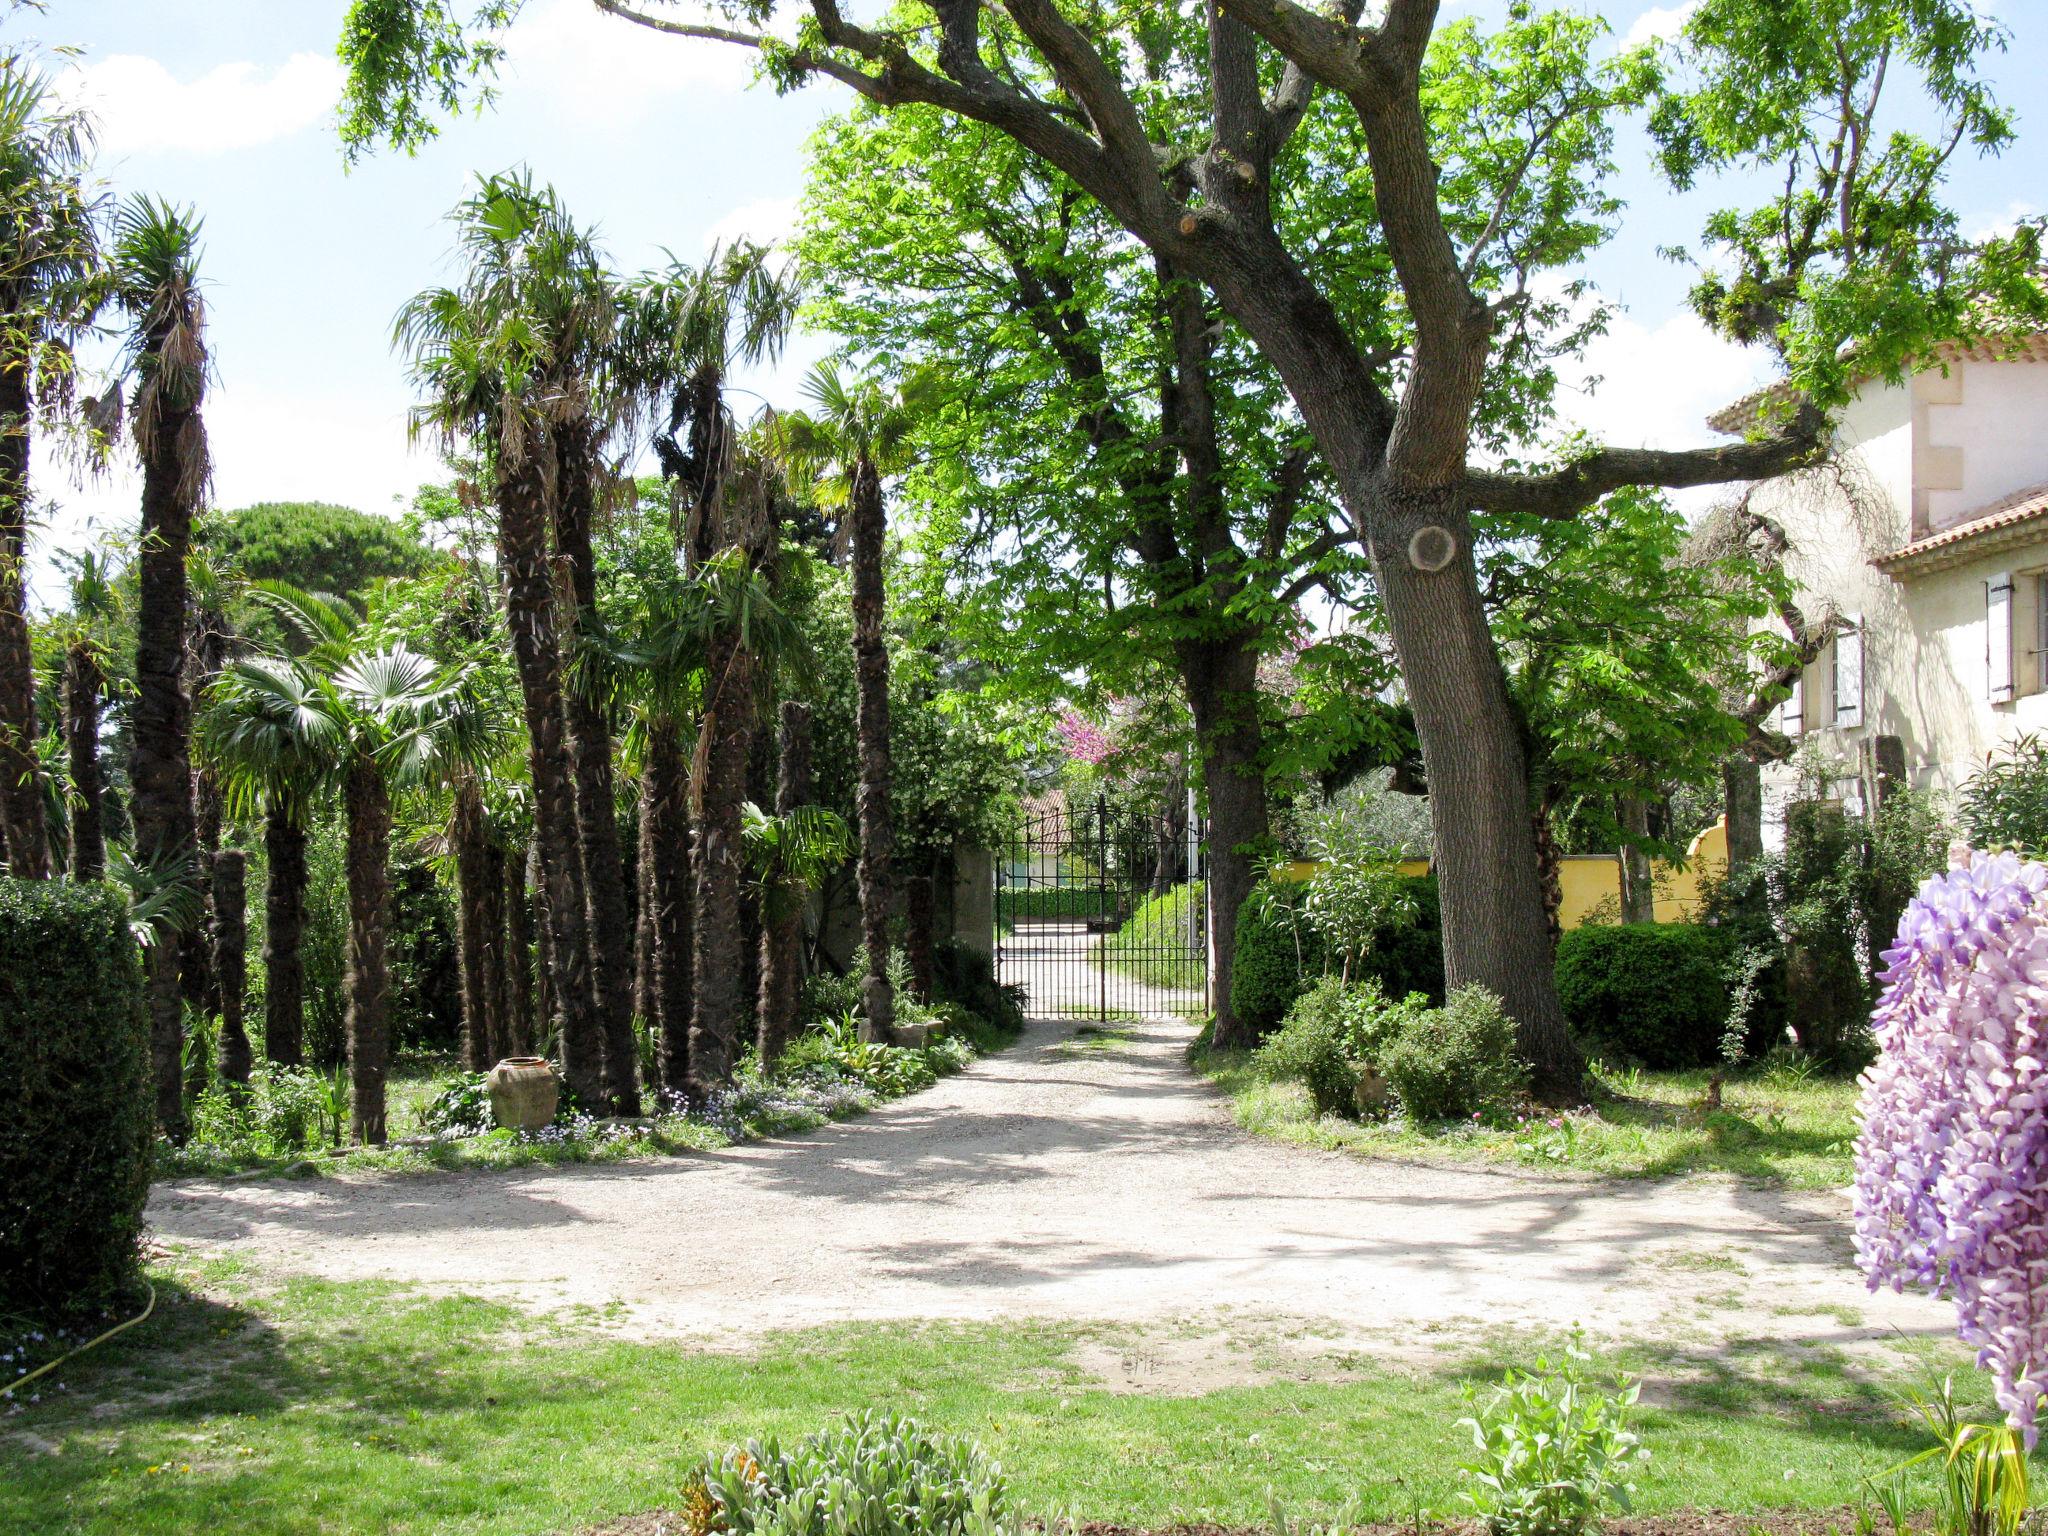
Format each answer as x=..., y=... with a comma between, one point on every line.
x=720, y=786
x=671, y=897
x=231, y=960
x=21, y=779
x=498, y=953
x=83, y=681
x=646, y=983
x=871, y=712
x=590, y=739
x=782, y=925
x=284, y=930
x=476, y=896
x=160, y=728
x=369, y=915
x=530, y=615
x=205, y=653
x=520, y=1010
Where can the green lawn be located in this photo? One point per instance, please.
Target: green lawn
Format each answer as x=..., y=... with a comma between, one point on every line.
x=1788, y=1129
x=320, y=1407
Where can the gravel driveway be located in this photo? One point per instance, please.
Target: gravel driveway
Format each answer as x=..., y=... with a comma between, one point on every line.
x=1073, y=1177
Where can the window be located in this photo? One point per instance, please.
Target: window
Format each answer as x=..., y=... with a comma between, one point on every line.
x=1849, y=672
x=1792, y=713
x=1998, y=638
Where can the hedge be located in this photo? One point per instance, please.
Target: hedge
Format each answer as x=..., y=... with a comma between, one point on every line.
x=75, y=1142
x=1267, y=976
x=1655, y=993
x=1054, y=901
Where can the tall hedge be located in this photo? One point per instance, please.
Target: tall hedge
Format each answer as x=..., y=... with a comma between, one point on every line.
x=1267, y=973
x=75, y=1132
x=1656, y=993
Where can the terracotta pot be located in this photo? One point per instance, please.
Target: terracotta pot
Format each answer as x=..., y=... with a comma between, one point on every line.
x=1372, y=1095
x=524, y=1093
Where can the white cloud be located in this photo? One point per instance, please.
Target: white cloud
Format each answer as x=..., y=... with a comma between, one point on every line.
x=1660, y=23
x=143, y=107
x=593, y=65
x=765, y=221
x=1654, y=387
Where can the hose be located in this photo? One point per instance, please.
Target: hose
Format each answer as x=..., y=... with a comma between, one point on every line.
x=8, y=1390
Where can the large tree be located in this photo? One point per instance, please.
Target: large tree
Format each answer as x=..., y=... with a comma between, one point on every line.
x=49, y=267
x=1476, y=176
x=487, y=367
x=156, y=282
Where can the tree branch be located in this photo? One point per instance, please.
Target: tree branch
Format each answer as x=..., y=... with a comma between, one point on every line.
x=1566, y=492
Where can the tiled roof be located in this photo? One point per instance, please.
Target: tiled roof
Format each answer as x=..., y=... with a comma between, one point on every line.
x=1739, y=417
x=2010, y=520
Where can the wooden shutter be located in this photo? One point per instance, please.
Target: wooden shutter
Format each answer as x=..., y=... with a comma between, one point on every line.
x=1849, y=673
x=1792, y=713
x=1998, y=637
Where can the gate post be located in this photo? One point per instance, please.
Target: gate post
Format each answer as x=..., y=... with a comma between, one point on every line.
x=974, y=899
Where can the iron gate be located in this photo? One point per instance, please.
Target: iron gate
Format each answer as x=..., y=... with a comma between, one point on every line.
x=1099, y=914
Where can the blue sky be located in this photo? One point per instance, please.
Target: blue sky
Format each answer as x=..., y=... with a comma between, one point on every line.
x=228, y=105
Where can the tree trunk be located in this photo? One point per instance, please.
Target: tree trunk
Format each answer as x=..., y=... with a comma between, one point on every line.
x=21, y=778
x=369, y=914
x=665, y=834
x=478, y=893
x=920, y=918
x=231, y=960
x=160, y=728
x=720, y=787
x=83, y=682
x=1221, y=678
x=871, y=713
x=206, y=653
x=1742, y=793
x=1549, y=872
x=284, y=929
x=1638, y=894
x=530, y=615
x=590, y=738
x=646, y=979
x=521, y=1012
x=782, y=927
x=1169, y=830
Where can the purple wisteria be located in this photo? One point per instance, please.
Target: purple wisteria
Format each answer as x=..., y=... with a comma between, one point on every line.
x=1952, y=1163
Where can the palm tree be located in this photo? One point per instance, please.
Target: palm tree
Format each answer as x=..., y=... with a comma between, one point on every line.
x=858, y=433
x=267, y=732
x=156, y=283
x=683, y=330
x=50, y=263
x=484, y=361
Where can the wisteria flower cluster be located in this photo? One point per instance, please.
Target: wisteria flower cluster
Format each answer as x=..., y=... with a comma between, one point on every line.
x=1952, y=1162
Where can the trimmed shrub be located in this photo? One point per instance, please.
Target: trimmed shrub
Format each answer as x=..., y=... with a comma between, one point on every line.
x=1267, y=975
x=75, y=1143
x=1456, y=1060
x=1656, y=993
x=1013, y=902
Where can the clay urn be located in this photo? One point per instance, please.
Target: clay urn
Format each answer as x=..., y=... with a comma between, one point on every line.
x=524, y=1092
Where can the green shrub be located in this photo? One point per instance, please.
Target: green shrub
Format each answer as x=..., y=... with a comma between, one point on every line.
x=1278, y=954
x=1552, y=1451
x=1275, y=957
x=1456, y=1060
x=1013, y=902
x=966, y=976
x=872, y=1475
x=75, y=1142
x=1160, y=942
x=1657, y=993
x=1329, y=1034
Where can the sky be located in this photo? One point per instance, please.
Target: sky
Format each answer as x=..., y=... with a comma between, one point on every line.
x=228, y=105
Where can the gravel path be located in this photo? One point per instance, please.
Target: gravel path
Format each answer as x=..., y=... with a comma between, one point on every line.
x=1075, y=1177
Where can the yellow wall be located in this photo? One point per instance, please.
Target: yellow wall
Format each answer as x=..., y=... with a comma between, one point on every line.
x=1591, y=880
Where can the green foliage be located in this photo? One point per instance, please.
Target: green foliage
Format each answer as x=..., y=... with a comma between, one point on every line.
x=1014, y=902
x=1274, y=958
x=1330, y=1033
x=1457, y=1060
x=1162, y=941
x=75, y=1141
x=2004, y=804
x=965, y=977
x=284, y=1111
x=872, y=1475
x=1655, y=993
x=329, y=550
x=835, y=1047
x=1983, y=1468
x=1552, y=1451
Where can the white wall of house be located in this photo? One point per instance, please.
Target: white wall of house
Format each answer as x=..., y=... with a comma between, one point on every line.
x=1916, y=459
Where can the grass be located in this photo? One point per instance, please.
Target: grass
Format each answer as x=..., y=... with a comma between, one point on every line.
x=1789, y=1129
x=329, y=1407
x=1153, y=944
